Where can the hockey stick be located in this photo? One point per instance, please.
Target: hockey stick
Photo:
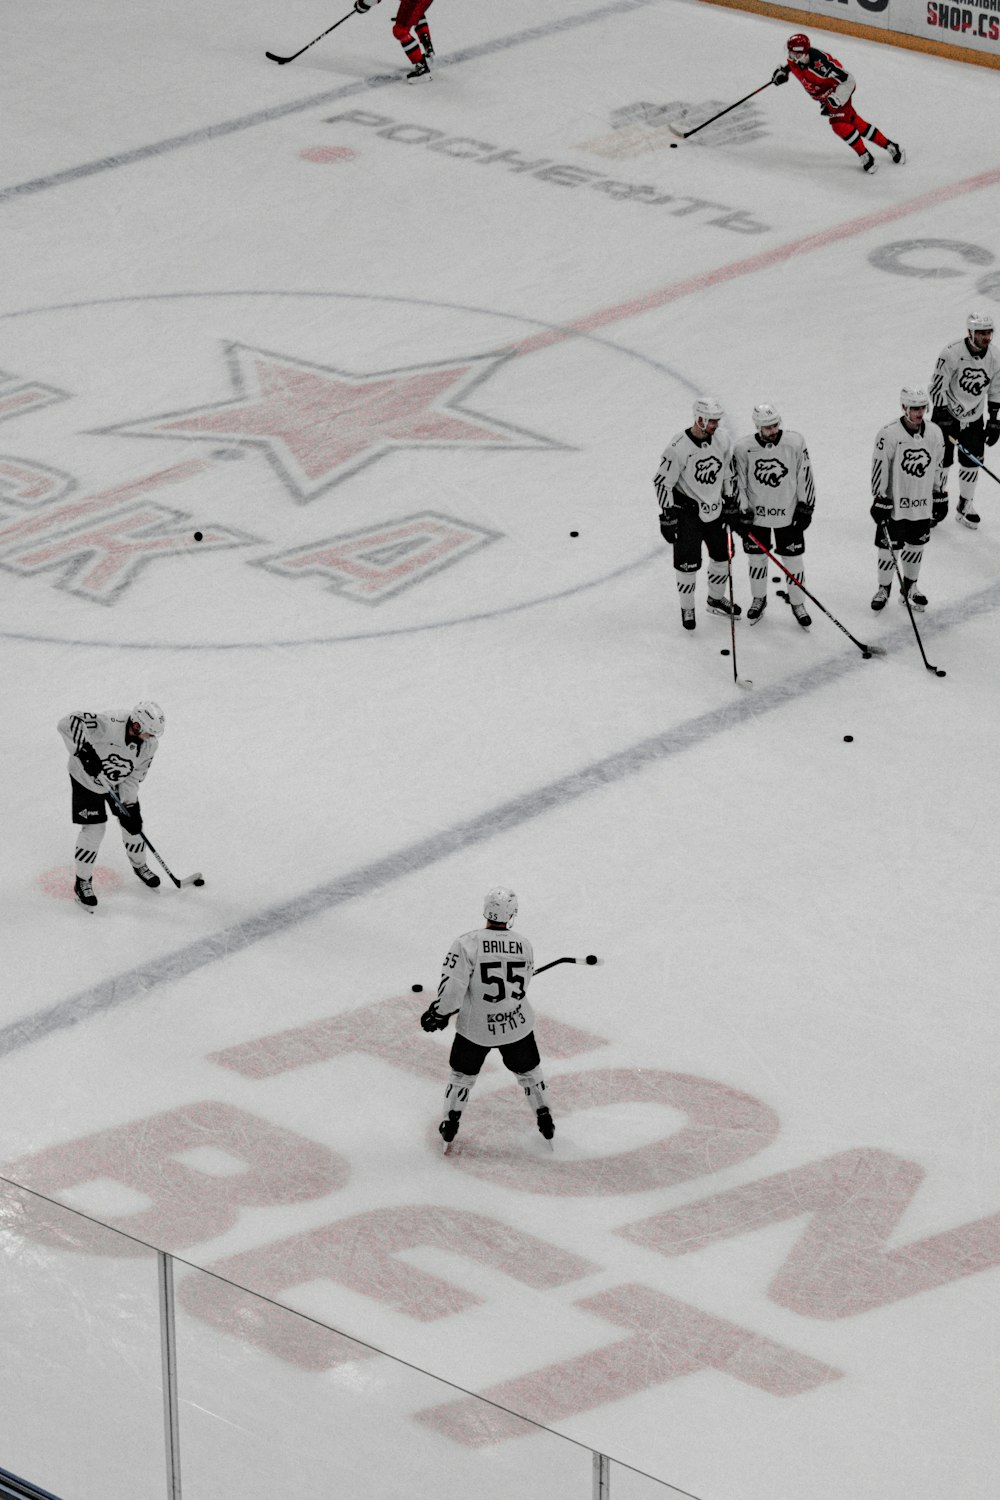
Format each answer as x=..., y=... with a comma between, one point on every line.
x=973, y=459
x=938, y=671
x=196, y=879
x=741, y=682
x=293, y=55
x=866, y=650
x=591, y=958
x=684, y=135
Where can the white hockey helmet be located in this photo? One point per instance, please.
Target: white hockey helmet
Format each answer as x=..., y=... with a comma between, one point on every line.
x=149, y=717
x=914, y=395
x=979, y=321
x=500, y=905
x=708, y=409
x=766, y=415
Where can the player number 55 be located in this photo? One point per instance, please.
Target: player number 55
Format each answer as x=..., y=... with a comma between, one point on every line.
x=491, y=981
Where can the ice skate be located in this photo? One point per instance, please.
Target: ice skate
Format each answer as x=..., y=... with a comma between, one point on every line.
x=83, y=890
x=546, y=1124
x=881, y=598
x=966, y=516
x=146, y=875
x=897, y=153
x=448, y=1129
x=419, y=72
x=869, y=163
x=424, y=38
x=918, y=601
x=687, y=619
x=723, y=607
x=756, y=610
x=801, y=616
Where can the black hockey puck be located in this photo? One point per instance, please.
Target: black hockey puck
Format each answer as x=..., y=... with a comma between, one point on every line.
x=591, y=958
x=673, y=145
x=724, y=651
x=848, y=739
x=574, y=533
x=941, y=672
x=417, y=989
x=866, y=656
x=199, y=881
x=197, y=536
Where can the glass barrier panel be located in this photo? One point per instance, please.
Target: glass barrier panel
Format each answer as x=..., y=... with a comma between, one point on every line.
x=272, y=1403
x=81, y=1404
x=630, y=1484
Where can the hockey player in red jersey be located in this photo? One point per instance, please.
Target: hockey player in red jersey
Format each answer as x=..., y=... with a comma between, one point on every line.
x=825, y=79
x=410, y=28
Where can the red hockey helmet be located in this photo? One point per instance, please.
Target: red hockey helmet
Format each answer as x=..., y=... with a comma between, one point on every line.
x=798, y=45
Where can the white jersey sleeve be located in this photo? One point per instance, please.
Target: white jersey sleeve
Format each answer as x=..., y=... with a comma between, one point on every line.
x=485, y=978
x=124, y=763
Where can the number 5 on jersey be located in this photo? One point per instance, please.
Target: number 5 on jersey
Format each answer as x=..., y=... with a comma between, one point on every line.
x=493, y=982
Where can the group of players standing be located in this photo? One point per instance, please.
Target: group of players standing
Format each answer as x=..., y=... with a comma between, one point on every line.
x=707, y=486
x=762, y=487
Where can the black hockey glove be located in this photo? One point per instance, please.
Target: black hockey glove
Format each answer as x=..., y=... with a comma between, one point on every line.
x=431, y=1021
x=90, y=760
x=128, y=815
x=993, y=427
x=881, y=512
x=669, y=521
x=803, y=516
x=947, y=423
x=939, y=510
x=780, y=75
x=362, y=5
x=747, y=521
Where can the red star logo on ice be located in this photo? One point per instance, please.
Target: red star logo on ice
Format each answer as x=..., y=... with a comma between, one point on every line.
x=317, y=425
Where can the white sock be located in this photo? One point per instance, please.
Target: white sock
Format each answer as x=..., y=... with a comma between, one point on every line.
x=967, y=487
x=88, y=841
x=685, y=588
x=534, y=1089
x=456, y=1095
x=718, y=578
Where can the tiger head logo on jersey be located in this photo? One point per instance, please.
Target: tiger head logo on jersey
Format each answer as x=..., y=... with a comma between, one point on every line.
x=769, y=471
x=707, y=470
x=915, y=461
x=973, y=382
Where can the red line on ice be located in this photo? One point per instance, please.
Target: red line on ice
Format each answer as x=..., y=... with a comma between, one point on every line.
x=761, y=262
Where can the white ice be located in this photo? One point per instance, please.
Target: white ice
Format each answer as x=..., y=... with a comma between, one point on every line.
x=798, y=930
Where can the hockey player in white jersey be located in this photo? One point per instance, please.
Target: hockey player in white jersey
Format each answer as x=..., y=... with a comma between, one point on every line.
x=694, y=487
x=484, y=981
x=965, y=384
x=113, y=749
x=908, y=494
x=773, y=482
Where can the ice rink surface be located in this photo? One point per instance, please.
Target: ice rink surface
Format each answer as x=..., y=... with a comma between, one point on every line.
x=406, y=358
